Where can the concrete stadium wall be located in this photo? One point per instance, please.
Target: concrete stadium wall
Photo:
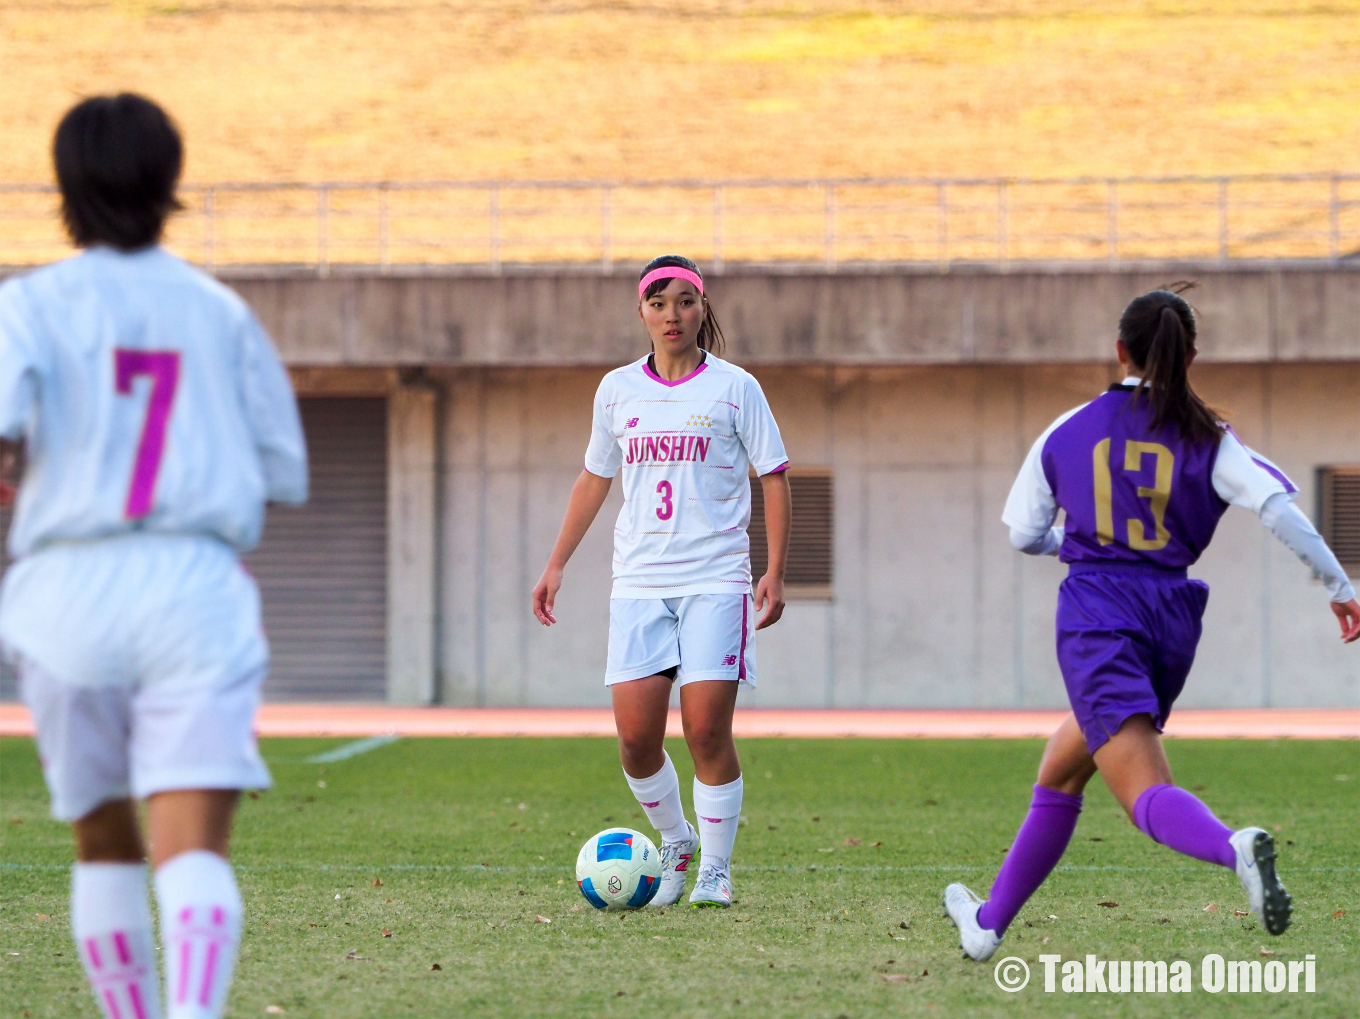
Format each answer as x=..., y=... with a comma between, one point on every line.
x=1297, y=312
x=931, y=606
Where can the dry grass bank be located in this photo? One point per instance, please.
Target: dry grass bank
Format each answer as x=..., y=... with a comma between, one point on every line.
x=412, y=89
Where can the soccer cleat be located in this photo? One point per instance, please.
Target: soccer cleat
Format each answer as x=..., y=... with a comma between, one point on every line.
x=961, y=905
x=675, y=858
x=1256, y=870
x=713, y=887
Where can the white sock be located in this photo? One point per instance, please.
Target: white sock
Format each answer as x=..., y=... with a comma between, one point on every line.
x=719, y=810
x=201, y=917
x=659, y=797
x=112, y=927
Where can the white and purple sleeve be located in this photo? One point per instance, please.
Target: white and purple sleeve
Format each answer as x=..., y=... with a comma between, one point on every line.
x=759, y=433
x=18, y=372
x=1030, y=507
x=1244, y=478
x=275, y=425
x=604, y=456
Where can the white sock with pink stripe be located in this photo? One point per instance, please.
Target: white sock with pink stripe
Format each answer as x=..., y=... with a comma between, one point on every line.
x=659, y=797
x=201, y=917
x=112, y=927
x=719, y=810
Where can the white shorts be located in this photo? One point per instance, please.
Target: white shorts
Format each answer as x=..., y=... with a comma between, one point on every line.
x=107, y=743
x=134, y=610
x=702, y=636
x=141, y=658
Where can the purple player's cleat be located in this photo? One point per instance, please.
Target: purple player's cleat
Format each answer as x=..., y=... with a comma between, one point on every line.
x=961, y=905
x=1256, y=870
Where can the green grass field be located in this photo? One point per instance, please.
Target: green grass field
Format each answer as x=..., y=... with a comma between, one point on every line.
x=472, y=839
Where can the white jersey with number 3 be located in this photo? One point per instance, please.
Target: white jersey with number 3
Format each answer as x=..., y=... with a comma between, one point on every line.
x=150, y=400
x=684, y=449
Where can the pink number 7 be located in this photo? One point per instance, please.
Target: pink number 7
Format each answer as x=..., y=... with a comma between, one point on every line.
x=163, y=368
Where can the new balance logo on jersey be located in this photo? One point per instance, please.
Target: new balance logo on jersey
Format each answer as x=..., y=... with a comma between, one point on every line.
x=632, y=422
x=667, y=449
x=730, y=660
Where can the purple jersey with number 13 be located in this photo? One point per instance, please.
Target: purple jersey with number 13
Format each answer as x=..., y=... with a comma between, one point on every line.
x=1132, y=493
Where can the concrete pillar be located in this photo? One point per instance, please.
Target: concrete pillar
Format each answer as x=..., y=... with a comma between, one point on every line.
x=412, y=548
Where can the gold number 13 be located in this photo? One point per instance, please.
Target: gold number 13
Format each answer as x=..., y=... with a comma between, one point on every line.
x=1158, y=495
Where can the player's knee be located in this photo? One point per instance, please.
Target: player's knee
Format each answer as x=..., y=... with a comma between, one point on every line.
x=707, y=738
x=637, y=749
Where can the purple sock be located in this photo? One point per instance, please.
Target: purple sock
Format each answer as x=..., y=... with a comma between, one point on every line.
x=1180, y=820
x=1038, y=846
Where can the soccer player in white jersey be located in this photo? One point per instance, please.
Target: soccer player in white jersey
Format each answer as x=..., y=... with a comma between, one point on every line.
x=683, y=427
x=156, y=421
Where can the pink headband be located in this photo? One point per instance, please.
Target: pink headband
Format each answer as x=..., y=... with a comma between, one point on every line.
x=668, y=272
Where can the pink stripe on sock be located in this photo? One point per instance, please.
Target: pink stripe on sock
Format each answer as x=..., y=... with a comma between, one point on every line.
x=113, y=1005
x=186, y=914
x=92, y=947
x=120, y=943
x=135, y=995
x=182, y=992
x=209, y=968
x=219, y=918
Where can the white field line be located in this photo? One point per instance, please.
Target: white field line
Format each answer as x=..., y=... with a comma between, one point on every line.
x=348, y=750
x=476, y=868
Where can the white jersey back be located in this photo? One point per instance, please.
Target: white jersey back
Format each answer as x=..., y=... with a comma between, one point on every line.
x=684, y=449
x=150, y=400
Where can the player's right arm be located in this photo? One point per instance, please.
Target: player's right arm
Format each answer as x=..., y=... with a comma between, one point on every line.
x=604, y=457
x=587, y=496
x=275, y=424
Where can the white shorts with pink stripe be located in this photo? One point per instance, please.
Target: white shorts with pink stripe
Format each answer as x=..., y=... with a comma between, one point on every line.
x=701, y=636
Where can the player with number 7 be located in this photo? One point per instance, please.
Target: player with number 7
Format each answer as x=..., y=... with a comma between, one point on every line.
x=1143, y=473
x=156, y=421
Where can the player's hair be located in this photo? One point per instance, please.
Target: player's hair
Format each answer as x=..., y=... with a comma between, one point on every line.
x=710, y=333
x=1158, y=330
x=118, y=159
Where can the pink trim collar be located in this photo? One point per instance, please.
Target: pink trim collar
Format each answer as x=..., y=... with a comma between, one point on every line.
x=665, y=382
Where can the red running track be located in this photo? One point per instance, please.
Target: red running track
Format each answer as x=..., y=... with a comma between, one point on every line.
x=384, y=719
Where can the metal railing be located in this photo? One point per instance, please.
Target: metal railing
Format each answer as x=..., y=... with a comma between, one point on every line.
x=495, y=227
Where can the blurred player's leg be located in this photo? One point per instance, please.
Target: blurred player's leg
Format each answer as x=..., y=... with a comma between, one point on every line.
x=200, y=904
x=81, y=736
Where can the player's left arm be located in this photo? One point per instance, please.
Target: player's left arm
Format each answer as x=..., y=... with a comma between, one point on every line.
x=778, y=514
x=1243, y=478
x=18, y=386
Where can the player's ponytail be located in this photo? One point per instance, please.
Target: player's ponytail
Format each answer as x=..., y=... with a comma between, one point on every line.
x=1158, y=331
x=710, y=333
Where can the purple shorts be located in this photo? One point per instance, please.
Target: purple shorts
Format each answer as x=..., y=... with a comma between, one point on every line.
x=1126, y=640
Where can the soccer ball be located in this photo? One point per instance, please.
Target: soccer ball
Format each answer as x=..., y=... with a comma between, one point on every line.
x=618, y=869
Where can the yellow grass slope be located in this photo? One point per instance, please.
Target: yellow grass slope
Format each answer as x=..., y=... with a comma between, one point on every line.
x=416, y=89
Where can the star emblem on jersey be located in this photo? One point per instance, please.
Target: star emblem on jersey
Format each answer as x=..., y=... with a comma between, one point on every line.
x=699, y=421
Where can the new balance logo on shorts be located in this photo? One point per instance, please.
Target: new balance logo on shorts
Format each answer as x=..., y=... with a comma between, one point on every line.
x=730, y=660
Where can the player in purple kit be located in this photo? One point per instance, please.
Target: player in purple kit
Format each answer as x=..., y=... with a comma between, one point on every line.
x=1143, y=474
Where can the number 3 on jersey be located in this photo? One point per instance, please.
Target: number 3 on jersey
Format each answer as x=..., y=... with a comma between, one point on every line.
x=162, y=366
x=1158, y=495
x=667, y=507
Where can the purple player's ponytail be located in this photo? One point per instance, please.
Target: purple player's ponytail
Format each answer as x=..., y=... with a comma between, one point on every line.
x=1158, y=330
